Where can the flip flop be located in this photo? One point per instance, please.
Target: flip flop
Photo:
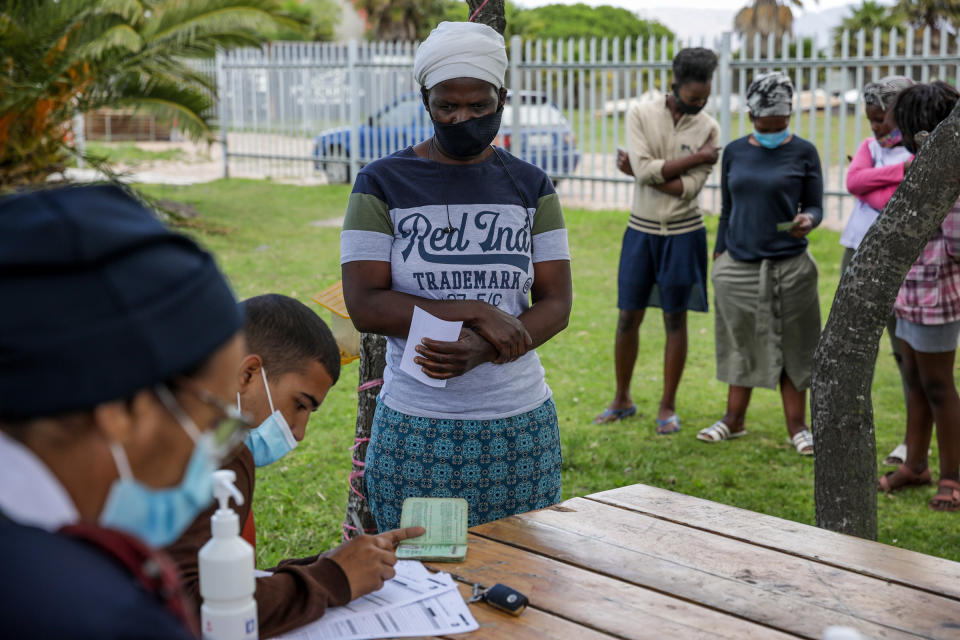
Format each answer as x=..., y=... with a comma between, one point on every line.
x=803, y=441
x=898, y=456
x=662, y=425
x=613, y=415
x=719, y=431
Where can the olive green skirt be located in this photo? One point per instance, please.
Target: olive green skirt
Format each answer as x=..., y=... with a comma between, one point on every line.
x=767, y=320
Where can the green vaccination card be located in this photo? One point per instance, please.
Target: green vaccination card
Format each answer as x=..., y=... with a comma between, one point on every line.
x=787, y=226
x=445, y=520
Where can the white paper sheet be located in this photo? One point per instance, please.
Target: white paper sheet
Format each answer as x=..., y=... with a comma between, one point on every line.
x=438, y=610
x=425, y=325
x=399, y=591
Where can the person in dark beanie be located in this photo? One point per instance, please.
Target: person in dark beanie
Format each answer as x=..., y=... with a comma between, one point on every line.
x=671, y=150
x=119, y=346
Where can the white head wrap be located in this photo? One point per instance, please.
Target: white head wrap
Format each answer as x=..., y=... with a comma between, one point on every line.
x=461, y=50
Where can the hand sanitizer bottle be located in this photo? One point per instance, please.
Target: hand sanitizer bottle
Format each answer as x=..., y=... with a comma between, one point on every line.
x=841, y=633
x=229, y=611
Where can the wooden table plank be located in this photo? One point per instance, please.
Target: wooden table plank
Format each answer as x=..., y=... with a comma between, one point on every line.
x=532, y=624
x=936, y=575
x=786, y=592
x=596, y=601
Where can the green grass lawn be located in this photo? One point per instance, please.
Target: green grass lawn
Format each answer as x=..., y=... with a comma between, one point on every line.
x=273, y=244
x=131, y=155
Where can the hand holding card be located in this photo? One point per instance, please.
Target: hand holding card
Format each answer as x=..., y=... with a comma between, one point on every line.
x=445, y=521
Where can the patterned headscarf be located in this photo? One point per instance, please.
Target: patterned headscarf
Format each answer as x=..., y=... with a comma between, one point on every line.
x=770, y=94
x=882, y=92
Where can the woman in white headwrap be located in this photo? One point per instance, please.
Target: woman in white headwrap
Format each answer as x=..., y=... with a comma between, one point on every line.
x=765, y=281
x=470, y=233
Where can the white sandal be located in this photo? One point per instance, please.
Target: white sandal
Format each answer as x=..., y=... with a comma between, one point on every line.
x=719, y=431
x=803, y=440
x=898, y=456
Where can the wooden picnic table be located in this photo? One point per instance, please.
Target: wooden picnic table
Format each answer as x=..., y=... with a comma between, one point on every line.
x=642, y=562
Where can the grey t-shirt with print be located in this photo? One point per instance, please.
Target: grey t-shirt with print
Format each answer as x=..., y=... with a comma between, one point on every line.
x=501, y=227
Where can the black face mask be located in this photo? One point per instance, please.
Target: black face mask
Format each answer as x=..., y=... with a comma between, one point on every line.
x=683, y=107
x=468, y=138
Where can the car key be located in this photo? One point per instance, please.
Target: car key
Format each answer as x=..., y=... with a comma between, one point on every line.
x=501, y=597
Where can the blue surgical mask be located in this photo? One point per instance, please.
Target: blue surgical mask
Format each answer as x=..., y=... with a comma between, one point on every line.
x=159, y=516
x=273, y=439
x=771, y=140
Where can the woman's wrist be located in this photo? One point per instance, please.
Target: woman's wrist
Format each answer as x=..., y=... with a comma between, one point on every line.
x=475, y=312
x=490, y=352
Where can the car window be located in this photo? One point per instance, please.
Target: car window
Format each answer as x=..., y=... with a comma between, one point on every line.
x=543, y=115
x=403, y=114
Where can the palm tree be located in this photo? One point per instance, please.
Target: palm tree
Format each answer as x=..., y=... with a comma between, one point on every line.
x=935, y=15
x=765, y=17
x=867, y=17
x=397, y=20
x=63, y=57
x=930, y=13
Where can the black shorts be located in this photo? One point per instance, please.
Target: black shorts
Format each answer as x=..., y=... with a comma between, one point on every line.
x=669, y=272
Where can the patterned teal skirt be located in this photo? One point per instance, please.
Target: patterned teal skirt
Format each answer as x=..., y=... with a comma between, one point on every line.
x=501, y=467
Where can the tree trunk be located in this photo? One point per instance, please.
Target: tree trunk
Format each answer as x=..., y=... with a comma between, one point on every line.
x=844, y=443
x=493, y=14
x=373, y=353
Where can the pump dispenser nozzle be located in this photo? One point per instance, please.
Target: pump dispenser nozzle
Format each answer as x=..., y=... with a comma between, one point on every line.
x=224, y=488
x=225, y=523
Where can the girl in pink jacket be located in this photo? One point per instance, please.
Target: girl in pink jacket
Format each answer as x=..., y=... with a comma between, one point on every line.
x=874, y=174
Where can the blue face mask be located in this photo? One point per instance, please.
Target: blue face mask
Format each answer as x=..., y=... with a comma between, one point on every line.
x=159, y=516
x=273, y=439
x=771, y=140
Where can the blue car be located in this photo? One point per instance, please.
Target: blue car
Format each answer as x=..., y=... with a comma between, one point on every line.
x=546, y=138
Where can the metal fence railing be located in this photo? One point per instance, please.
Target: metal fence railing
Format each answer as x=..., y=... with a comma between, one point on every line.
x=322, y=110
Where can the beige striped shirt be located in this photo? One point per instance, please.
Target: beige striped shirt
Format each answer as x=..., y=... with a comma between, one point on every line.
x=653, y=140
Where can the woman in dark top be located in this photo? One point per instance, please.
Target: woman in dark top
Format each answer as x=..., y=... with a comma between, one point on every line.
x=765, y=281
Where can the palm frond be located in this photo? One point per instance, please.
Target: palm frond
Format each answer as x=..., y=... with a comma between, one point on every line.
x=58, y=57
x=122, y=37
x=187, y=21
x=178, y=71
x=132, y=10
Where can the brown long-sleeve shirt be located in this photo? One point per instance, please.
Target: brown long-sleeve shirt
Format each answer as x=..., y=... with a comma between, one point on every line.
x=298, y=592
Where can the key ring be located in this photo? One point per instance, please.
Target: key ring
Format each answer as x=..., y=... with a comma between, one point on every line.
x=479, y=593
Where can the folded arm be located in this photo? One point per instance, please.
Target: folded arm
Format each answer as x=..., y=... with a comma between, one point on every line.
x=873, y=185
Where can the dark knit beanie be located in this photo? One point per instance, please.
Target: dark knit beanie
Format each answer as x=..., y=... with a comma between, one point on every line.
x=98, y=299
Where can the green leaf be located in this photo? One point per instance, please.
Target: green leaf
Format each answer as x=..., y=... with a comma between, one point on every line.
x=121, y=36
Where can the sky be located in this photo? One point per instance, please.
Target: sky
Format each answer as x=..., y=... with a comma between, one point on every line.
x=707, y=19
x=647, y=5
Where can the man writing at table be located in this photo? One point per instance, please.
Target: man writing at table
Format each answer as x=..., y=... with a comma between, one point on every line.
x=663, y=260
x=291, y=362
